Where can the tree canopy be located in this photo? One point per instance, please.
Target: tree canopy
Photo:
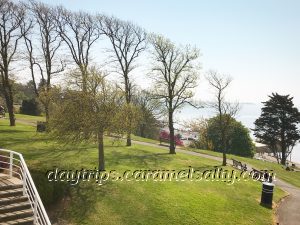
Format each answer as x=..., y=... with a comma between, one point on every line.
x=277, y=126
x=238, y=140
x=79, y=116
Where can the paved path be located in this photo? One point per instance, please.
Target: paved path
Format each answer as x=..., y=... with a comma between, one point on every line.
x=22, y=121
x=26, y=122
x=288, y=212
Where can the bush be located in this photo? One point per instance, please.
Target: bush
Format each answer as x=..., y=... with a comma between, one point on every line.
x=165, y=136
x=50, y=192
x=30, y=107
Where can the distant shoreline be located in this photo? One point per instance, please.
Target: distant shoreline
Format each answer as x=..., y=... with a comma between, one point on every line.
x=248, y=113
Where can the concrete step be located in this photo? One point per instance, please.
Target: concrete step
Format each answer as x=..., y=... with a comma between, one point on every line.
x=24, y=221
x=12, y=200
x=15, y=207
x=10, y=187
x=12, y=216
x=11, y=193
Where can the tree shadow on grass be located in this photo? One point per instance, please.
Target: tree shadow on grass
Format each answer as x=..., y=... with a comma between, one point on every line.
x=55, y=153
x=84, y=197
x=14, y=131
x=14, y=142
x=145, y=160
x=54, y=194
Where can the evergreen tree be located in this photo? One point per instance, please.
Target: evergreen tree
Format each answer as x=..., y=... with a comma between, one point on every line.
x=277, y=126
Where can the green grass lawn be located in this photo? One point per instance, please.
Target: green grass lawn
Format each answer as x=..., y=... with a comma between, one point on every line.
x=142, y=139
x=28, y=118
x=133, y=202
x=288, y=176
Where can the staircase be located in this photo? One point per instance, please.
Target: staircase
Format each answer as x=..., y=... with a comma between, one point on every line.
x=20, y=202
x=15, y=208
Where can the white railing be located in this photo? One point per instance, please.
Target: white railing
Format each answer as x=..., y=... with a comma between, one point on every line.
x=13, y=164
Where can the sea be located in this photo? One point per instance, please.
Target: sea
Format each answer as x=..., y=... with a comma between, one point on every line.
x=247, y=114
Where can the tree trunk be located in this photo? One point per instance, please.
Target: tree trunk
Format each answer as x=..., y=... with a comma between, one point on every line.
x=283, y=155
x=128, y=101
x=47, y=113
x=83, y=70
x=10, y=108
x=224, y=151
x=223, y=141
x=224, y=159
x=283, y=159
x=283, y=147
x=172, y=135
x=9, y=104
x=101, y=151
x=142, y=130
x=128, y=142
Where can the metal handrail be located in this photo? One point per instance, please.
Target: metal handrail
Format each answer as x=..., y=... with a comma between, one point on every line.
x=39, y=213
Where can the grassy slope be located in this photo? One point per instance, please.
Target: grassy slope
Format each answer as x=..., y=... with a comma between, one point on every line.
x=136, y=202
x=288, y=176
x=147, y=140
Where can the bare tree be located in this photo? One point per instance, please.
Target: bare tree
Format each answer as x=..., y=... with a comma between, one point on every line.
x=200, y=126
x=47, y=62
x=12, y=16
x=128, y=42
x=175, y=74
x=79, y=31
x=224, y=109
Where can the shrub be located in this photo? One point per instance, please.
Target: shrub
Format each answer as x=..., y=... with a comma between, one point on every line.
x=165, y=136
x=30, y=107
x=239, y=140
x=50, y=192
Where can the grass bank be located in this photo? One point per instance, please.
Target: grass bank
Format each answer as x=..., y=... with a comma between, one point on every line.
x=291, y=177
x=133, y=202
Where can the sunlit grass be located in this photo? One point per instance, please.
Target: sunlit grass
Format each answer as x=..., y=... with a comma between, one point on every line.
x=288, y=176
x=134, y=202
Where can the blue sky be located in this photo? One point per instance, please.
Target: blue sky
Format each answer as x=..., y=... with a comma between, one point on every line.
x=257, y=42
